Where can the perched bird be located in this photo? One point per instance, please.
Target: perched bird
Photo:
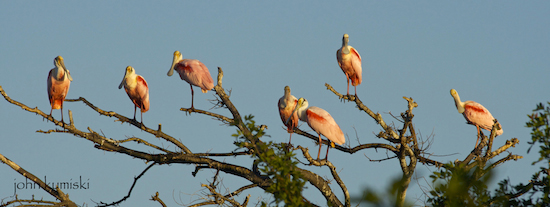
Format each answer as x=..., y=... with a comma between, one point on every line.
x=287, y=104
x=350, y=62
x=192, y=71
x=321, y=122
x=475, y=114
x=59, y=80
x=137, y=89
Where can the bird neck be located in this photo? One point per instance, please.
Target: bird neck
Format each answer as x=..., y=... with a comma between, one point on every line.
x=459, y=104
x=346, y=49
x=59, y=73
x=131, y=81
x=301, y=112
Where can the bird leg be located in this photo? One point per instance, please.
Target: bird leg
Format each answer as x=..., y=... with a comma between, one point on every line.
x=477, y=135
x=328, y=147
x=141, y=117
x=347, y=77
x=192, y=96
x=62, y=114
x=290, y=138
x=320, y=144
x=135, y=107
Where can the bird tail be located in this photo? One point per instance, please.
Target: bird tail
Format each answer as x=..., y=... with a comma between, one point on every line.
x=56, y=104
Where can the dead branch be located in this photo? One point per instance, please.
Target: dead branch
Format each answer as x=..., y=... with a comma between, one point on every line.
x=335, y=175
x=377, y=117
x=131, y=188
x=122, y=119
x=57, y=193
x=157, y=198
x=217, y=116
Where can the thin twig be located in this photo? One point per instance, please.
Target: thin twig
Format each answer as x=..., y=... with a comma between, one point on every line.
x=131, y=188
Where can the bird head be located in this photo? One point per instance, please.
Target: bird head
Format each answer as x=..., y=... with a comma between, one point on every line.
x=60, y=64
x=345, y=41
x=177, y=58
x=129, y=71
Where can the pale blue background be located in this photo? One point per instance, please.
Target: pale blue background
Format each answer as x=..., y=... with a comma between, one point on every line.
x=492, y=52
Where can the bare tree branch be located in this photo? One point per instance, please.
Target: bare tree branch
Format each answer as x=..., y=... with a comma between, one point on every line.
x=377, y=117
x=329, y=164
x=157, y=198
x=217, y=116
x=122, y=119
x=131, y=188
x=57, y=193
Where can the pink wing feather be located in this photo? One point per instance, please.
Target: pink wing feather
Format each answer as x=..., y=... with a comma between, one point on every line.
x=322, y=122
x=142, y=90
x=477, y=114
x=195, y=73
x=356, y=64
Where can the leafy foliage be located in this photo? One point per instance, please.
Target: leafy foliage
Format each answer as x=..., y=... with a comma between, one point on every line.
x=455, y=185
x=372, y=197
x=458, y=186
x=537, y=191
x=276, y=161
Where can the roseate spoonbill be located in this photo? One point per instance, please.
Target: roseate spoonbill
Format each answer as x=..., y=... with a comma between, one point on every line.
x=350, y=62
x=192, y=71
x=59, y=80
x=137, y=89
x=321, y=122
x=287, y=104
x=475, y=114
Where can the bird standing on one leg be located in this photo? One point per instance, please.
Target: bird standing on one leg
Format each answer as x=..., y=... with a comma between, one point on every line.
x=192, y=71
x=349, y=61
x=59, y=80
x=475, y=114
x=321, y=122
x=287, y=104
x=137, y=89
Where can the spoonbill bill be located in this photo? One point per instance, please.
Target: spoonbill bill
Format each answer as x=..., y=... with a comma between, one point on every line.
x=349, y=61
x=137, y=89
x=59, y=80
x=287, y=104
x=475, y=114
x=194, y=72
x=321, y=122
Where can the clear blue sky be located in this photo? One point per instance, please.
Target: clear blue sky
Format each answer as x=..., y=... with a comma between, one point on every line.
x=495, y=53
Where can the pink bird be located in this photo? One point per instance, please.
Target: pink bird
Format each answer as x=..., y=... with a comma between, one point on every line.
x=287, y=104
x=350, y=62
x=59, y=80
x=192, y=71
x=137, y=89
x=321, y=122
x=475, y=114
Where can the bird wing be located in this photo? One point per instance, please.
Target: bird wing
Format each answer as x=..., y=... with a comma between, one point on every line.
x=356, y=64
x=339, y=57
x=50, y=86
x=477, y=114
x=143, y=93
x=322, y=122
x=207, y=82
x=355, y=53
x=197, y=74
